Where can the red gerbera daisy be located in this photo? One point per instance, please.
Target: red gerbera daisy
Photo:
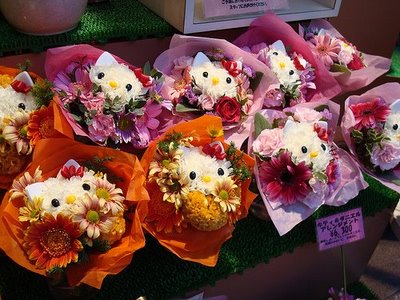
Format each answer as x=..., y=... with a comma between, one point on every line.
x=284, y=181
x=53, y=242
x=41, y=124
x=368, y=114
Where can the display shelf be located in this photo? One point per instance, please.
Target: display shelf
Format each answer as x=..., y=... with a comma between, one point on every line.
x=158, y=274
x=188, y=17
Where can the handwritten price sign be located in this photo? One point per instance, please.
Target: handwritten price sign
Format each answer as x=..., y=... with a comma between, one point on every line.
x=218, y=8
x=340, y=229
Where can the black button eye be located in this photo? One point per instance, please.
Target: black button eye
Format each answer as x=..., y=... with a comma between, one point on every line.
x=228, y=80
x=291, y=72
x=100, y=75
x=323, y=147
x=55, y=202
x=86, y=187
x=275, y=53
x=395, y=127
x=304, y=149
x=128, y=87
x=22, y=106
x=205, y=74
x=192, y=175
x=221, y=172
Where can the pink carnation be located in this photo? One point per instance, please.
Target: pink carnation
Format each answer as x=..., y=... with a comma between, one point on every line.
x=386, y=156
x=268, y=141
x=101, y=128
x=303, y=114
x=206, y=102
x=180, y=64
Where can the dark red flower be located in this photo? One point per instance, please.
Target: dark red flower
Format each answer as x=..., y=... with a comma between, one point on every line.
x=332, y=171
x=20, y=87
x=284, y=181
x=356, y=63
x=214, y=150
x=322, y=132
x=228, y=109
x=232, y=67
x=144, y=79
x=68, y=172
x=367, y=114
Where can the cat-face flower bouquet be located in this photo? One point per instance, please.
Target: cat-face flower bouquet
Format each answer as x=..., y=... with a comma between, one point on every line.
x=104, y=98
x=298, y=166
x=25, y=118
x=213, y=77
x=302, y=76
x=370, y=127
x=198, y=187
x=351, y=68
x=68, y=213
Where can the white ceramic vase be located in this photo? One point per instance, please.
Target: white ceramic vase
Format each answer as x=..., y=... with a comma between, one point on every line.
x=43, y=17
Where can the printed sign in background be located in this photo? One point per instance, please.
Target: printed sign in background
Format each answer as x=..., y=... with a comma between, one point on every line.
x=218, y=8
x=340, y=229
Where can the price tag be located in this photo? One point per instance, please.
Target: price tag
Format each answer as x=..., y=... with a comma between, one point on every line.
x=340, y=229
x=218, y=8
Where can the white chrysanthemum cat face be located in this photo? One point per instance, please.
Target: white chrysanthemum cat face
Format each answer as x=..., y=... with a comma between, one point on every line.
x=305, y=145
x=12, y=101
x=116, y=80
x=202, y=171
x=392, y=124
x=283, y=67
x=60, y=194
x=211, y=79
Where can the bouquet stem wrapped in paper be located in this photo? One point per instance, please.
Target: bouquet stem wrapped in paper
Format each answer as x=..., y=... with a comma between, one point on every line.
x=302, y=76
x=65, y=214
x=298, y=167
x=198, y=187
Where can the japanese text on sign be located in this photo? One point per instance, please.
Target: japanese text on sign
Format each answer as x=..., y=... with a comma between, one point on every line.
x=217, y=8
x=340, y=229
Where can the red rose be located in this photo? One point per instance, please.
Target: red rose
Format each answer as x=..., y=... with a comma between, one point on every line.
x=228, y=109
x=356, y=63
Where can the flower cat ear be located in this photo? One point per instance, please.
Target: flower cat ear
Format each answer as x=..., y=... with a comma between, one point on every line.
x=25, y=78
x=289, y=125
x=278, y=45
x=200, y=59
x=34, y=190
x=106, y=59
x=395, y=106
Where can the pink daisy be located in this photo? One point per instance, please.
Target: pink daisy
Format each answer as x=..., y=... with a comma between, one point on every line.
x=109, y=196
x=327, y=48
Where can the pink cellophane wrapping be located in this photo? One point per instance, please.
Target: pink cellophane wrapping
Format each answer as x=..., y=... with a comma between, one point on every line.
x=270, y=28
x=376, y=65
x=189, y=46
x=285, y=218
x=389, y=92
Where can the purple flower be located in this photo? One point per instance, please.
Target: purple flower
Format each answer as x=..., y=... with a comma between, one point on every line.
x=73, y=73
x=385, y=156
x=101, y=128
x=125, y=127
x=274, y=97
x=190, y=95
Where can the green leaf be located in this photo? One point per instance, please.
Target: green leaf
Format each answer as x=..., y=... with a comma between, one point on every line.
x=147, y=69
x=76, y=118
x=396, y=181
x=321, y=108
x=260, y=123
x=339, y=68
x=182, y=108
x=321, y=176
x=254, y=82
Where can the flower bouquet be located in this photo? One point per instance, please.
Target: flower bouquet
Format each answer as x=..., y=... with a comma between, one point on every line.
x=298, y=167
x=302, y=76
x=103, y=98
x=213, y=77
x=198, y=189
x=71, y=212
x=351, y=68
x=25, y=118
x=370, y=129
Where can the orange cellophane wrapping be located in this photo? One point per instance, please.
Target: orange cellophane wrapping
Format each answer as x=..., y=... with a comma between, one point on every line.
x=192, y=244
x=50, y=155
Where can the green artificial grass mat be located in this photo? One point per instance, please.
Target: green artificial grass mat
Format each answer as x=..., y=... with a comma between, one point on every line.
x=101, y=23
x=395, y=67
x=360, y=290
x=158, y=274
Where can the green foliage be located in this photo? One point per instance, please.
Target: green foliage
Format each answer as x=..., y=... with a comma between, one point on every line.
x=183, y=108
x=260, y=123
x=255, y=82
x=172, y=140
x=25, y=66
x=240, y=169
x=42, y=93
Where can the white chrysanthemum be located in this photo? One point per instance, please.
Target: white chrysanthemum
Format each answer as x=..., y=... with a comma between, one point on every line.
x=12, y=101
x=305, y=145
x=392, y=128
x=283, y=67
x=117, y=80
x=202, y=171
x=213, y=80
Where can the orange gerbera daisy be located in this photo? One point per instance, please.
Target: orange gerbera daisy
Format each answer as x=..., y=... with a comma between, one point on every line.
x=41, y=124
x=164, y=215
x=53, y=242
